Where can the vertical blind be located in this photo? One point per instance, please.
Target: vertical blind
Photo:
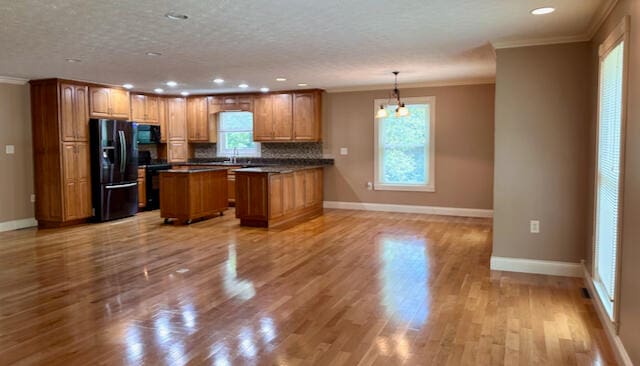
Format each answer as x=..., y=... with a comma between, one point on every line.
x=608, y=177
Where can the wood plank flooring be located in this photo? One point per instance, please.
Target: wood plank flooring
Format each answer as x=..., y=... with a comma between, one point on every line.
x=347, y=288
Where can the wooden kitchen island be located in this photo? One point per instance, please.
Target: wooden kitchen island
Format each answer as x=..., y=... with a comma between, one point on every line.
x=192, y=193
x=274, y=196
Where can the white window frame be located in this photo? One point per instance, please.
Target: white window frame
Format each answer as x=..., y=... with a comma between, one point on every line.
x=618, y=35
x=430, y=149
x=222, y=152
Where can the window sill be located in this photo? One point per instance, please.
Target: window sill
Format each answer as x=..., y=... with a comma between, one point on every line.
x=405, y=188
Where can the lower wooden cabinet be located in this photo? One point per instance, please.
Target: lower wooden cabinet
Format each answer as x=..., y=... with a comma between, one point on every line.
x=275, y=199
x=188, y=194
x=77, y=180
x=142, y=188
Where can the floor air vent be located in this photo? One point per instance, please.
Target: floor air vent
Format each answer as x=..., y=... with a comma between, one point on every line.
x=585, y=293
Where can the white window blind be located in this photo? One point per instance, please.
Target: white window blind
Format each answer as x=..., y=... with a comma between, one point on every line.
x=608, y=173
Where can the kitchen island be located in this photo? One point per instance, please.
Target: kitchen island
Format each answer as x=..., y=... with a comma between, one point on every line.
x=276, y=195
x=192, y=193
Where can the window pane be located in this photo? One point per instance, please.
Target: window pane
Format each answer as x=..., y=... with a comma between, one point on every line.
x=236, y=121
x=403, y=143
x=239, y=140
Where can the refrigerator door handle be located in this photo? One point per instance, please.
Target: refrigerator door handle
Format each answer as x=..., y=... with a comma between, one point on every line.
x=121, y=185
x=123, y=153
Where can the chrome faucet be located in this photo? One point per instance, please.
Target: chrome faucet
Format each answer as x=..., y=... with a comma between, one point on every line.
x=234, y=158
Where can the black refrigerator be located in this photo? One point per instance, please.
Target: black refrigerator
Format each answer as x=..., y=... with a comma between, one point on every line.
x=114, y=168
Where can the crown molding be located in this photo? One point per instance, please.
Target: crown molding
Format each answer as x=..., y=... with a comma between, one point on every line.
x=600, y=16
x=597, y=19
x=540, y=41
x=12, y=80
x=426, y=84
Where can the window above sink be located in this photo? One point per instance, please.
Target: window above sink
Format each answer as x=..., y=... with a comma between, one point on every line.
x=235, y=135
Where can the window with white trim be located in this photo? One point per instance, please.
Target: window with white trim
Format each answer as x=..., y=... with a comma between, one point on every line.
x=235, y=135
x=609, y=160
x=404, y=154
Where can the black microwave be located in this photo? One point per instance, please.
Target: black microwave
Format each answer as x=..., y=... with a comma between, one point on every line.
x=148, y=134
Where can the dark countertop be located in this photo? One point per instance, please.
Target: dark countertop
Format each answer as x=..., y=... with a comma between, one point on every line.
x=194, y=170
x=251, y=162
x=277, y=169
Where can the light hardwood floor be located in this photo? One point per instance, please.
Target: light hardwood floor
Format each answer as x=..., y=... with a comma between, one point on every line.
x=346, y=288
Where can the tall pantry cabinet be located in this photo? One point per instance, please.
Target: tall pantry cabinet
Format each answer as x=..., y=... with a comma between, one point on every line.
x=60, y=126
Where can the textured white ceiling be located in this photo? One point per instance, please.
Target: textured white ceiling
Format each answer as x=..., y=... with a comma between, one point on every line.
x=328, y=44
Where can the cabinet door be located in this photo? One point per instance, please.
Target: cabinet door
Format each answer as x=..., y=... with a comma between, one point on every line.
x=162, y=119
x=177, y=118
x=178, y=151
x=305, y=122
x=83, y=179
x=138, y=113
x=263, y=118
x=99, y=102
x=282, y=117
x=67, y=112
x=298, y=181
x=119, y=103
x=309, y=187
x=275, y=196
x=288, y=193
x=197, y=121
x=71, y=196
x=151, y=109
x=81, y=113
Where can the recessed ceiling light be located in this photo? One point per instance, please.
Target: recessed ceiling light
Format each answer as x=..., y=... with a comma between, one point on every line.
x=264, y=89
x=158, y=90
x=127, y=86
x=543, y=11
x=218, y=81
x=303, y=84
x=171, y=83
x=176, y=16
x=243, y=86
x=281, y=79
x=73, y=60
x=184, y=93
x=154, y=54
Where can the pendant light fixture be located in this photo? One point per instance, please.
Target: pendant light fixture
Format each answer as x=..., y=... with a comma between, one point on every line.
x=401, y=110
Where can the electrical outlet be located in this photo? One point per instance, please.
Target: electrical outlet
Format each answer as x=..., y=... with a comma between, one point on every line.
x=534, y=226
x=344, y=151
x=10, y=149
x=370, y=186
x=33, y=198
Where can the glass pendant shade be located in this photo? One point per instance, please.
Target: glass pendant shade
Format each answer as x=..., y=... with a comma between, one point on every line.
x=402, y=111
x=382, y=113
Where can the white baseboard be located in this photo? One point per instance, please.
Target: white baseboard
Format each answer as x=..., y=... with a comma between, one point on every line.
x=430, y=210
x=18, y=224
x=553, y=268
x=609, y=328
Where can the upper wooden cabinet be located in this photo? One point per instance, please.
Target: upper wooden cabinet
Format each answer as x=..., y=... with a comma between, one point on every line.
x=307, y=116
x=162, y=119
x=287, y=117
x=74, y=113
x=198, y=119
x=263, y=118
x=177, y=119
x=144, y=108
x=273, y=117
x=109, y=103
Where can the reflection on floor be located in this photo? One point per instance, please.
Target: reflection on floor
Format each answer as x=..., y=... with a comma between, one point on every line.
x=346, y=288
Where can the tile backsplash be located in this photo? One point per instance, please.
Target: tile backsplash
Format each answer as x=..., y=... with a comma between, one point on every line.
x=302, y=150
x=152, y=149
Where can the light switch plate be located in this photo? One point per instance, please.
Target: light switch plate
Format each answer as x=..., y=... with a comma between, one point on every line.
x=33, y=198
x=344, y=151
x=534, y=226
x=10, y=149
